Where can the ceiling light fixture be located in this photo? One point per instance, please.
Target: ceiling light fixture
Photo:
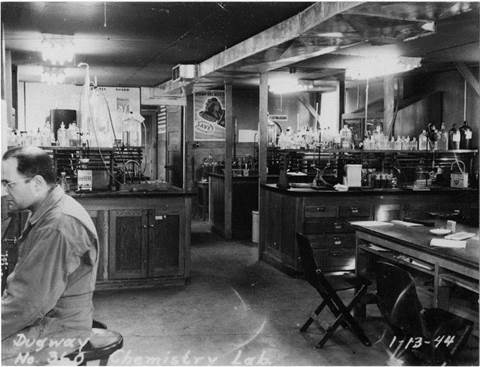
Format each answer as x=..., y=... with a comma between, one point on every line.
x=373, y=67
x=286, y=84
x=57, y=49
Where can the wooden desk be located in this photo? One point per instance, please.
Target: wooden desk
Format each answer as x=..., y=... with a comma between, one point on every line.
x=410, y=246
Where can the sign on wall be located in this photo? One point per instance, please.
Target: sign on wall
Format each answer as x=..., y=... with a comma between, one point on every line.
x=209, y=115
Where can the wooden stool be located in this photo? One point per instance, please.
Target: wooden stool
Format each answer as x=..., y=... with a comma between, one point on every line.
x=101, y=345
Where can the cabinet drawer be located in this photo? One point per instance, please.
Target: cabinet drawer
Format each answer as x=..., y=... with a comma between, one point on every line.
x=329, y=261
x=320, y=211
x=333, y=242
x=354, y=211
x=327, y=225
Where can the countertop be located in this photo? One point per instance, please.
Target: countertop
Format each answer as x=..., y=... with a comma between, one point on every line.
x=172, y=191
x=306, y=189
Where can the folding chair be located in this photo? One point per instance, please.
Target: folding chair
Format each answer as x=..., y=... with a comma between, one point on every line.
x=328, y=286
x=426, y=336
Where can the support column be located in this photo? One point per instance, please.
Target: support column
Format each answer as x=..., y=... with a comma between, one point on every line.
x=229, y=142
x=262, y=155
x=341, y=98
x=388, y=104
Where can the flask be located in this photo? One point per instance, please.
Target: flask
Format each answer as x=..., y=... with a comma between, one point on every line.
x=454, y=138
x=465, y=136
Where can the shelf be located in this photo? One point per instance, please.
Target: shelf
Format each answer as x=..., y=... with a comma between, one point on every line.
x=359, y=151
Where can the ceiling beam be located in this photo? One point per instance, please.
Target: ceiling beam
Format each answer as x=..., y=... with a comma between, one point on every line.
x=468, y=76
x=276, y=35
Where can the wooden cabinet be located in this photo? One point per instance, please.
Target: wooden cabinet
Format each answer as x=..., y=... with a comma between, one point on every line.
x=144, y=244
x=324, y=217
x=144, y=239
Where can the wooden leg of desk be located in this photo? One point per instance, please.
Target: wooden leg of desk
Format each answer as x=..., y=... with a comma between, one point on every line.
x=360, y=310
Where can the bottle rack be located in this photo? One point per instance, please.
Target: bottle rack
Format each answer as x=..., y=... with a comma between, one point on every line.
x=112, y=160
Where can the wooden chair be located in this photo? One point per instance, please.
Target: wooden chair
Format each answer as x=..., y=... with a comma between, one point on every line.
x=420, y=335
x=328, y=286
x=101, y=345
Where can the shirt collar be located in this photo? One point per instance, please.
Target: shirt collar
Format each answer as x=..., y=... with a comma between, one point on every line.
x=53, y=196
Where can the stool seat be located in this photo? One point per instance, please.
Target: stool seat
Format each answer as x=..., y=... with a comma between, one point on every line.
x=101, y=345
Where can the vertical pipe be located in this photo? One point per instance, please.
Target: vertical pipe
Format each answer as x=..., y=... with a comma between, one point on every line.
x=262, y=155
x=229, y=142
x=465, y=100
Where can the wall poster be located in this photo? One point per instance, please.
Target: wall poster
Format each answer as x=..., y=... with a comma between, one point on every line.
x=209, y=115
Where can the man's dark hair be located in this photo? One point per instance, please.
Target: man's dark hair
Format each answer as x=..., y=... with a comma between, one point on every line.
x=32, y=161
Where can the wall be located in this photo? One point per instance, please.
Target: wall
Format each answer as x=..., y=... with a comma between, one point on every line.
x=35, y=100
x=245, y=113
x=411, y=120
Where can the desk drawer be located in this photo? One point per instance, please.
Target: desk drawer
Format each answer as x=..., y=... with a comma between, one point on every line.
x=320, y=211
x=354, y=211
x=333, y=242
x=327, y=225
x=341, y=260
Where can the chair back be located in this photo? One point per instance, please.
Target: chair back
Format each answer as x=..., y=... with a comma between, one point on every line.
x=398, y=300
x=313, y=274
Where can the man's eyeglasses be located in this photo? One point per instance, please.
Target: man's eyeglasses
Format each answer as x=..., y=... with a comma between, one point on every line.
x=11, y=184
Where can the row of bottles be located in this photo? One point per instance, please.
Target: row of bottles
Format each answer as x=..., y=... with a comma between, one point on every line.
x=66, y=137
x=460, y=138
x=429, y=139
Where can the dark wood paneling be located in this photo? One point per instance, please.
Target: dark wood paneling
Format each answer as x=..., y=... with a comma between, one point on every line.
x=163, y=249
x=127, y=236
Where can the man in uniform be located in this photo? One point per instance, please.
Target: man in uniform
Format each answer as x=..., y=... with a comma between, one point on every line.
x=47, y=307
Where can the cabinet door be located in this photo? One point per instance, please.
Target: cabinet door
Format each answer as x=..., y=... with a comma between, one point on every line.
x=128, y=233
x=165, y=248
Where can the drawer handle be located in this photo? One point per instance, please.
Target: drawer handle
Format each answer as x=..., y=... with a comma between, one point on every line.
x=337, y=225
x=321, y=209
x=354, y=210
x=337, y=241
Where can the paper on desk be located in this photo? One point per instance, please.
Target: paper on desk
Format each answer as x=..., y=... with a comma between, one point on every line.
x=371, y=223
x=441, y=242
x=406, y=224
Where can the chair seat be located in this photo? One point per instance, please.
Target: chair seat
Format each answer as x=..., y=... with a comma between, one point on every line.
x=346, y=281
x=101, y=345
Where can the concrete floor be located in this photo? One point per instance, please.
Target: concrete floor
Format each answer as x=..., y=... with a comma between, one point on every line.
x=235, y=311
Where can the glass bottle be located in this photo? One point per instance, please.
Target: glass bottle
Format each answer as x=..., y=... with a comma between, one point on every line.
x=443, y=138
x=63, y=182
x=454, y=138
x=62, y=135
x=465, y=136
x=422, y=141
